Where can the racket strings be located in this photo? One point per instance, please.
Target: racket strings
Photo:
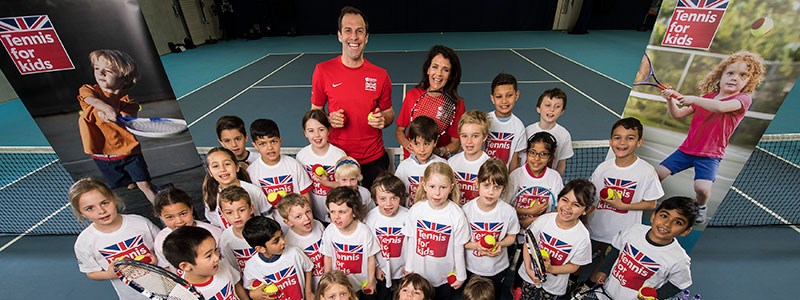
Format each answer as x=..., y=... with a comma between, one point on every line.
x=154, y=285
x=155, y=126
x=437, y=106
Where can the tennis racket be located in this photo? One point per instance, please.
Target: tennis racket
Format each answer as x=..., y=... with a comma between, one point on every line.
x=154, y=127
x=586, y=292
x=155, y=282
x=438, y=106
x=647, y=76
x=536, y=255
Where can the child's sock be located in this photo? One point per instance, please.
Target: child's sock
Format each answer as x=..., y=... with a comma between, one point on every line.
x=702, y=212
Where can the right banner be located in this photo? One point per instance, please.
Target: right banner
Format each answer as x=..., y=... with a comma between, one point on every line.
x=726, y=67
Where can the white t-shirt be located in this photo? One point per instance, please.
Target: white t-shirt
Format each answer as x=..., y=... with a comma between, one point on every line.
x=499, y=222
x=252, y=156
x=221, y=285
x=319, y=192
x=287, y=175
x=392, y=240
x=525, y=188
x=563, y=141
x=234, y=249
x=310, y=244
x=641, y=263
x=257, y=198
x=366, y=200
x=411, y=174
x=467, y=174
x=564, y=246
x=350, y=253
x=505, y=138
x=287, y=273
x=162, y=235
x=635, y=183
x=95, y=250
x=436, y=241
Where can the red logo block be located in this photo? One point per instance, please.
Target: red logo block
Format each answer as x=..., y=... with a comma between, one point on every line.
x=33, y=44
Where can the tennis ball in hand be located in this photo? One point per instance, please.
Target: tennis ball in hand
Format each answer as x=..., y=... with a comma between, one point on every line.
x=143, y=258
x=275, y=197
x=647, y=293
x=762, y=26
x=544, y=253
x=488, y=242
x=607, y=194
x=365, y=289
x=271, y=289
x=369, y=117
x=319, y=170
x=451, y=278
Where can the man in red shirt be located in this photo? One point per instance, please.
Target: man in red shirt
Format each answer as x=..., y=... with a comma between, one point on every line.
x=358, y=95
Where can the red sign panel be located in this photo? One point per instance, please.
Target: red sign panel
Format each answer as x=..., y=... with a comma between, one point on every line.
x=33, y=44
x=694, y=23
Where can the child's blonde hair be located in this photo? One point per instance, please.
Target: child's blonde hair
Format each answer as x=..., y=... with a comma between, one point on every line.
x=475, y=117
x=85, y=185
x=494, y=171
x=478, y=288
x=443, y=169
x=348, y=166
x=120, y=62
x=289, y=201
x=755, y=65
x=332, y=278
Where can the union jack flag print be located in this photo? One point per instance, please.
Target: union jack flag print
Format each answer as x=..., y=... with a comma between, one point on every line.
x=281, y=275
x=33, y=44
x=348, y=248
x=464, y=176
x=122, y=248
x=559, y=249
x=710, y=4
x=273, y=181
x=619, y=183
x=501, y=136
x=225, y=293
x=430, y=226
x=641, y=258
x=486, y=227
x=25, y=23
x=388, y=231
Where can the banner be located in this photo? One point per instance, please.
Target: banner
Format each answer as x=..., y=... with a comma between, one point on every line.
x=80, y=67
x=732, y=63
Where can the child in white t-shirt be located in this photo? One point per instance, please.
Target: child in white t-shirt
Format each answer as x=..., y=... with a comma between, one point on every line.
x=438, y=231
x=236, y=210
x=319, y=160
x=388, y=221
x=506, y=132
x=304, y=232
x=348, y=174
x=473, y=129
x=222, y=171
x=551, y=106
x=534, y=185
x=422, y=137
x=492, y=223
x=98, y=246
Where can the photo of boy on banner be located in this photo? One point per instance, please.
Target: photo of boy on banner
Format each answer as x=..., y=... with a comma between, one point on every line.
x=720, y=96
x=53, y=58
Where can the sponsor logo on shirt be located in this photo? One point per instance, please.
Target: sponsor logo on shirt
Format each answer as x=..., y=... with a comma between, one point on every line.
x=275, y=184
x=633, y=267
x=370, y=84
x=391, y=240
x=498, y=145
x=468, y=185
x=129, y=248
x=432, y=238
x=625, y=188
x=349, y=258
x=481, y=229
x=558, y=249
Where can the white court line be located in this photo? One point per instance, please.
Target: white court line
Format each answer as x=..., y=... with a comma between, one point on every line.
x=244, y=90
x=769, y=211
x=588, y=68
x=11, y=242
x=569, y=85
x=223, y=76
x=29, y=174
x=404, y=84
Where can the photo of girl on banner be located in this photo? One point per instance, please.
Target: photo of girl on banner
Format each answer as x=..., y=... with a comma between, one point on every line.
x=720, y=96
x=86, y=83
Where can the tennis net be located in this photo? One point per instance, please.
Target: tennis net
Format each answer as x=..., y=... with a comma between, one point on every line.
x=34, y=184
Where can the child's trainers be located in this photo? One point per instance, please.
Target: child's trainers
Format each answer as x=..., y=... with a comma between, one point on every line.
x=702, y=211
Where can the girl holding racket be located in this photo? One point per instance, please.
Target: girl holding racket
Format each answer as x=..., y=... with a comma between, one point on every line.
x=111, y=236
x=441, y=72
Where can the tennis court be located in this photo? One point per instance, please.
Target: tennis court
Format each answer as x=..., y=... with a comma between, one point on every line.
x=277, y=86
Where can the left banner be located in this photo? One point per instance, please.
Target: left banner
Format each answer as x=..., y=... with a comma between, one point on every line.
x=86, y=70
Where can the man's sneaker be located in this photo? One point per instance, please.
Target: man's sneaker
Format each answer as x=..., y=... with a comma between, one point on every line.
x=701, y=214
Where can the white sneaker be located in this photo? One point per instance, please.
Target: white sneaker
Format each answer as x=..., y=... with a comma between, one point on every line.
x=702, y=212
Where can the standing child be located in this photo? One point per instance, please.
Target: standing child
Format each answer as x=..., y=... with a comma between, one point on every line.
x=535, y=186
x=727, y=95
x=174, y=207
x=473, y=129
x=422, y=139
x=97, y=247
x=348, y=174
x=388, y=221
x=304, y=232
x=319, y=153
x=335, y=285
x=222, y=171
x=489, y=216
x=551, y=106
x=236, y=210
x=348, y=245
x=630, y=183
x=275, y=264
x=650, y=255
x=115, y=150
x=414, y=287
x=561, y=233
x=194, y=251
x=506, y=132
x=233, y=136
x=438, y=231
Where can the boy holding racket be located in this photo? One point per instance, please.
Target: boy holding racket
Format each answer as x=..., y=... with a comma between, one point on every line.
x=194, y=251
x=115, y=150
x=422, y=133
x=650, y=255
x=551, y=106
x=507, y=137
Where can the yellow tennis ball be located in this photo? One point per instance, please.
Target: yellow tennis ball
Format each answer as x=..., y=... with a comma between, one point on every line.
x=271, y=289
x=762, y=26
x=369, y=117
x=544, y=253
